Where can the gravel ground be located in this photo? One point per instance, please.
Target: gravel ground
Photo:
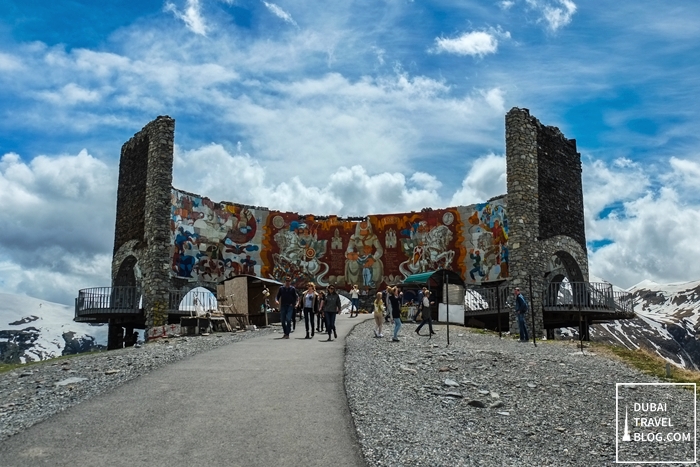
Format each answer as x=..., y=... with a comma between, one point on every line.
x=33, y=393
x=507, y=403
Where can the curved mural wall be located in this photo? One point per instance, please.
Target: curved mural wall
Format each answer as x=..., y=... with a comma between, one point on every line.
x=214, y=241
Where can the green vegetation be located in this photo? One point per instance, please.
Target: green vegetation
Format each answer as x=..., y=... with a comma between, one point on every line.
x=649, y=363
x=5, y=367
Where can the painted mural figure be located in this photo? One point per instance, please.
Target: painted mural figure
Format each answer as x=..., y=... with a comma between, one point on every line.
x=363, y=264
x=476, y=258
x=300, y=253
x=428, y=249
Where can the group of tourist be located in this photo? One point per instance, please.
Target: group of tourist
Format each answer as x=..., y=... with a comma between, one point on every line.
x=325, y=306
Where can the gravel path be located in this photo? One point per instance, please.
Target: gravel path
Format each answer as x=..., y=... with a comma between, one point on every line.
x=507, y=403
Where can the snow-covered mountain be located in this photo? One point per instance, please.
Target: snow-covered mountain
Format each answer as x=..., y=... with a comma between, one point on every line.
x=668, y=317
x=33, y=329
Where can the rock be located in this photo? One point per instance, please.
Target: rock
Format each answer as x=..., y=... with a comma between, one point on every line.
x=111, y=372
x=477, y=403
x=496, y=404
x=503, y=413
x=451, y=383
x=531, y=385
x=456, y=394
x=71, y=380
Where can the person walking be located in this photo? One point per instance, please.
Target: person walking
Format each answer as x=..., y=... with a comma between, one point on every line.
x=331, y=308
x=387, y=304
x=287, y=300
x=354, y=301
x=320, y=318
x=426, y=314
x=395, y=311
x=520, y=311
x=310, y=304
x=379, y=310
x=421, y=294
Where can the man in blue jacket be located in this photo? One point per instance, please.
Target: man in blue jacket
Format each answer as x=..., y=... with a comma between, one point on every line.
x=520, y=311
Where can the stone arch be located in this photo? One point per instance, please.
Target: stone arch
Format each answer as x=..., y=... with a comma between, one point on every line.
x=128, y=273
x=565, y=257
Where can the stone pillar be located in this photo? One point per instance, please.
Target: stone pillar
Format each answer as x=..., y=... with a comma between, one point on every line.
x=523, y=213
x=156, y=258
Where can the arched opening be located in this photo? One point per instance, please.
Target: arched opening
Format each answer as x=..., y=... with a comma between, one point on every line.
x=199, y=301
x=126, y=276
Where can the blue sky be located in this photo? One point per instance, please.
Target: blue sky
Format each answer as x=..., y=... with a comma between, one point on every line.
x=350, y=108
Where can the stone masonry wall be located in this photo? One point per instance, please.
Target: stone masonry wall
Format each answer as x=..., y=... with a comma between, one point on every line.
x=523, y=210
x=560, y=188
x=143, y=230
x=131, y=192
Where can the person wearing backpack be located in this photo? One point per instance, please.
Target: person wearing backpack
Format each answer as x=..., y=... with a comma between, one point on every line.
x=520, y=311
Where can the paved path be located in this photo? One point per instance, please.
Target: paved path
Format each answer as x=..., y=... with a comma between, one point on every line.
x=265, y=401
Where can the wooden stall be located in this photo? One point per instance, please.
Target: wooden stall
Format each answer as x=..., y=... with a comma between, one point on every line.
x=244, y=301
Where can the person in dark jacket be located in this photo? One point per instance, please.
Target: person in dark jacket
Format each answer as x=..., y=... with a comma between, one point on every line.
x=520, y=310
x=331, y=308
x=426, y=313
x=287, y=299
x=395, y=311
x=320, y=318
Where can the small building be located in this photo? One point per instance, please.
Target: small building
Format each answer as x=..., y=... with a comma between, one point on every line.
x=246, y=300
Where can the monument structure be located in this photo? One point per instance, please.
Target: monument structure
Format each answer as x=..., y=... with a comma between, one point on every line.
x=168, y=241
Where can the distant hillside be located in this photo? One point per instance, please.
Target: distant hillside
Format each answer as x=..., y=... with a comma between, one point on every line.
x=667, y=322
x=33, y=329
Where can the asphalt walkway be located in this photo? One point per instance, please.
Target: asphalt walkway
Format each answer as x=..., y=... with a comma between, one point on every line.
x=264, y=401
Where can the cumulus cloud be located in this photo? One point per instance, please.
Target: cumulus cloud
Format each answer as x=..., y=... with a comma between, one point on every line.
x=58, y=224
x=649, y=230
x=191, y=16
x=486, y=178
x=475, y=43
x=280, y=13
x=348, y=191
x=555, y=14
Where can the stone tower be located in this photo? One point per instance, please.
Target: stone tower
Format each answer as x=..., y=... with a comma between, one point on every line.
x=142, y=235
x=545, y=209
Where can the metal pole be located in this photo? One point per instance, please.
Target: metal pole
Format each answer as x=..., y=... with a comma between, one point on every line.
x=532, y=312
x=580, y=322
x=498, y=305
x=447, y=300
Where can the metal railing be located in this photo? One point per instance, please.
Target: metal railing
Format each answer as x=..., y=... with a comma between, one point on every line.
x=191, y=303
x=108, y=300
x=485, y=300
x=598, y=296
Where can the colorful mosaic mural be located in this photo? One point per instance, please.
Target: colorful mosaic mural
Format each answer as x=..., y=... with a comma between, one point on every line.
x=214, y=241
x=486, y=235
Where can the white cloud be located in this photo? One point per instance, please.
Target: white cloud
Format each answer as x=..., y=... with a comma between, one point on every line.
x=557, y=14
x=192, y=16
x=651, y=231
x=9, y=62
x=486, y=178
x=476, y=43
x=71, y=94
x=280, y=13
x=58, y=224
